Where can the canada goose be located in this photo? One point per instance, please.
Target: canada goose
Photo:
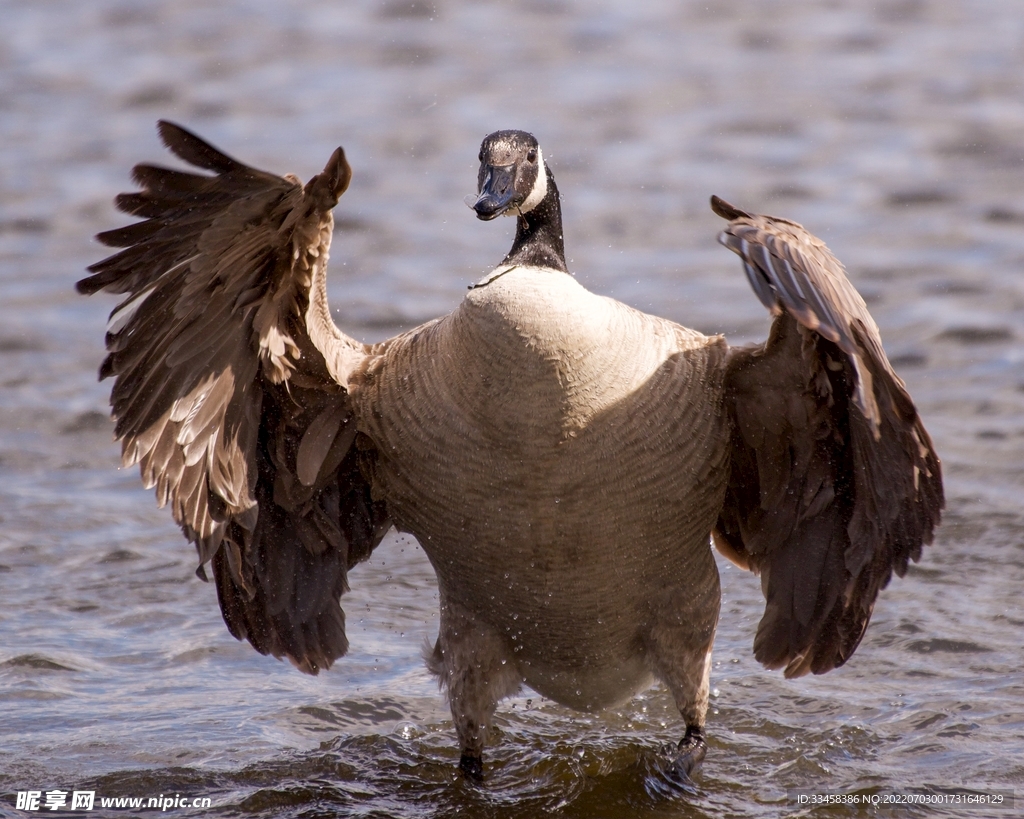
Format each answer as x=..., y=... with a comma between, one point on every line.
x=561, y=457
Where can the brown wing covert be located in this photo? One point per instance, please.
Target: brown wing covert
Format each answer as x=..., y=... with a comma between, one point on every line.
x=224, y=401
x=834, y=481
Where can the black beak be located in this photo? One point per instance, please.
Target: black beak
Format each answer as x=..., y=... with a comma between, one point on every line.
x=497, y=189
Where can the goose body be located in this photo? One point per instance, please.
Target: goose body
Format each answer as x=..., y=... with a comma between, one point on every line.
x=561, y=457
x=565, y=523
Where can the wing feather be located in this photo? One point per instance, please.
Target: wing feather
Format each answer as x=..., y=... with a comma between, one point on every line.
x=834, y=482
x=224, y=400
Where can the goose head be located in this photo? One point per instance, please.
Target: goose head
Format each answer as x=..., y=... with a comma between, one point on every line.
x=513, y=179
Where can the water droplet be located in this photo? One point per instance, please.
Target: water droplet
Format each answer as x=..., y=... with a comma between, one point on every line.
x=715, y=692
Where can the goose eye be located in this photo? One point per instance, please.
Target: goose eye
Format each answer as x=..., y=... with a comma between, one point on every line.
x=480, y=158
x=531, y=155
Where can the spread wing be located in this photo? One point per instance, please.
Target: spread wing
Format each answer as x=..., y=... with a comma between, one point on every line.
x=834, y=481
x=224, y=400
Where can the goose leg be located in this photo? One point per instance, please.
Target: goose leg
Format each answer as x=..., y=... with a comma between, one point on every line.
x=680, y=649
x=474, y=665
x=688, y=680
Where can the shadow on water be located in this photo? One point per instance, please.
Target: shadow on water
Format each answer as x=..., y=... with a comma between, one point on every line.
x=543, y=761
x=544, y=765
x=375, y=776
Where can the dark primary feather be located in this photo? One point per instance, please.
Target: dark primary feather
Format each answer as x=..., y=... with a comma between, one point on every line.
x=218, y=386
x=834, y=481
x=196, y=151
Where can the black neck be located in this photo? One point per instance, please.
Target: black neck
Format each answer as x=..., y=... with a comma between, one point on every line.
x=539, y=234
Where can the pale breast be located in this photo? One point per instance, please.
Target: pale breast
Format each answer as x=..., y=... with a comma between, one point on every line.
x=559, y=455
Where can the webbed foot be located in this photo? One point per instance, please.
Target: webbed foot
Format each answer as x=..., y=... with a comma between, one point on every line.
x=472, y=767
x=675, y=777
x=693, y=747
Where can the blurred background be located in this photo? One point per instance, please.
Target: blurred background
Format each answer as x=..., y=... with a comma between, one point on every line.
x=893, y=130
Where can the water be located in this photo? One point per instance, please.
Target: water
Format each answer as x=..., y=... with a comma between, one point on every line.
x=895, y=134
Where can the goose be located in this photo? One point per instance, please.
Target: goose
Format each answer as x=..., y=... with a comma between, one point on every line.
x=565, y=461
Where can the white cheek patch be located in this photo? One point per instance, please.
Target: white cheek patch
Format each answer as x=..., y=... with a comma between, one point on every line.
x=540, y=186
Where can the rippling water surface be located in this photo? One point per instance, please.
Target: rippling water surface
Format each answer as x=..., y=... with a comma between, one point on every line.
x=896, y=133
